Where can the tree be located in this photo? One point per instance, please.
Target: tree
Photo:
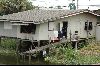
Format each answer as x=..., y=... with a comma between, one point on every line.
x=14, y=6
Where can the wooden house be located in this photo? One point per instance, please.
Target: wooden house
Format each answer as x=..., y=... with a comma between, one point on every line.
x=43, y=24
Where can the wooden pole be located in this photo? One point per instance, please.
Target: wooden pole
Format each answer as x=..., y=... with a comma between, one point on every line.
x=70, y=35
x=18, y=57
x=24, y=57
x=77, y=4
x=29, y=56
x=95, y=34
x=49, y=40
x=87, y=31
x=17, y=45
x=39, y=43
x=76, y=46
x=0, y=40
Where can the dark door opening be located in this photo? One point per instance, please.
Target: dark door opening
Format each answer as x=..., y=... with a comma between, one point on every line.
x=64, y=29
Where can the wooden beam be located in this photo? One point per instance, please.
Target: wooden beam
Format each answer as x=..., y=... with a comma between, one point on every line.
x=62, y=17
x=66, y=16
x=16, y=21
x=19, y=24
x=4, y=20
x=39, y=43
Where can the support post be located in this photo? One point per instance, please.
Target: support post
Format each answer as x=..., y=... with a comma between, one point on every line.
x=76, y=46
x=49, y=40
x=87, y=32
x=70, y=35
x=24, y=57
x=18, y=57
x=29, y=56
x=0, y=40
x=77, y=4
x=39, y=43
x=17, y=45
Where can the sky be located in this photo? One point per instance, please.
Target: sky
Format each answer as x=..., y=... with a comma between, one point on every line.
x=83, y=4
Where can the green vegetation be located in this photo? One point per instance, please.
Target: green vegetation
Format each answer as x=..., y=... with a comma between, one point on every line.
x=64, y=54
x=14, y=6
x=8, y=45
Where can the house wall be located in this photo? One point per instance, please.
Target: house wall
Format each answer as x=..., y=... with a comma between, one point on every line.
x=11, y=31
x=43, y=31
x=77, y=23
x=98, y=33
x=28, y=36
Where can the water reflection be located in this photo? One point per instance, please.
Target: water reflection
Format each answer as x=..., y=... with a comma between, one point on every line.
x=17, y=60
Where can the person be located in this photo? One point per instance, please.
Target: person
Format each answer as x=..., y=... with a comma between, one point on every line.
x=59, y=35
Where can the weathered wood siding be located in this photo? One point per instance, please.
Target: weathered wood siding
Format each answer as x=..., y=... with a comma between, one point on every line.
x=28, y=36
x=77, y=23
x=98, y=33
x=43, y=31
x=11, y=31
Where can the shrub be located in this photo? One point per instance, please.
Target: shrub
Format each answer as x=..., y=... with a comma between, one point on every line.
x=67, y=55
x=8, y=43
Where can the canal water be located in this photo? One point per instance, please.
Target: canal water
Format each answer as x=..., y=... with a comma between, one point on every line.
x=15, y=60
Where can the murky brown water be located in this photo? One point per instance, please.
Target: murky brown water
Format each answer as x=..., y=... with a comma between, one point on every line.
x=14, y=60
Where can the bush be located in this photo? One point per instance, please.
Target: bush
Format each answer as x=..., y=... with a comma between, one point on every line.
x=67, y=55
x=8, y=43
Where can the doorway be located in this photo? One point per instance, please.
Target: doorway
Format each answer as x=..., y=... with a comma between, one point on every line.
x=64, y=28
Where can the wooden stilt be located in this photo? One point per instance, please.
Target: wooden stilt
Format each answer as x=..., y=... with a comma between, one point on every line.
x=0, y=39
x=24, y=57
x=17, y=58
x=29, y=56
x=70, y=35
x=17, y=44
x=49, y=40
x=39, y=43
x=76, y=46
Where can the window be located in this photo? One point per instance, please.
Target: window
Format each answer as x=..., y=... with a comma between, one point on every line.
x=86, y=25
x=76, y=31
x=90, y=26
x=7, y=25
x=28, y=29
x=51, y=26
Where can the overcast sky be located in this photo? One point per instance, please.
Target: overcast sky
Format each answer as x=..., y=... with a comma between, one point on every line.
x=83, y=3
